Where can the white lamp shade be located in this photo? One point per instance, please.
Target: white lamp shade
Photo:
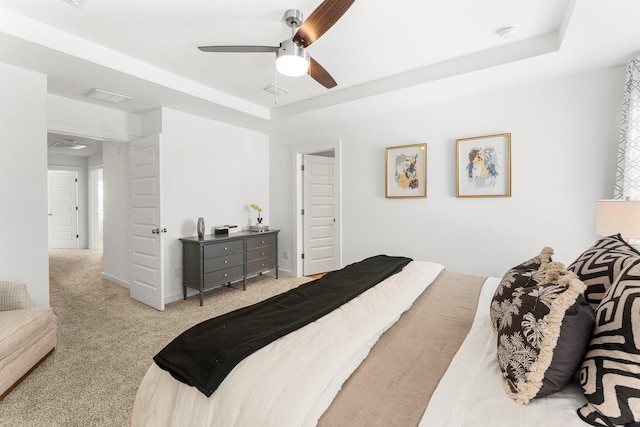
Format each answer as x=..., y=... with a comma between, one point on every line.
x=618, y=216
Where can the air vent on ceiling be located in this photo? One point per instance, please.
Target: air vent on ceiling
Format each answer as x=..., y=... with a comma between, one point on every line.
x=275, y=90
x=107, y=96
x=70, y=144
x=76, y=3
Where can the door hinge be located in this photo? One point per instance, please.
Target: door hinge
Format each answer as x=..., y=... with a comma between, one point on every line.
x=301, y=211
x=76, y=208
x=302, y=256
x=76, y=179
x=302, y=168
x=77, y=236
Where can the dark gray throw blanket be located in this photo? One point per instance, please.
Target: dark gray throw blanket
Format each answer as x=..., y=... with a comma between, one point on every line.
x=204, y=355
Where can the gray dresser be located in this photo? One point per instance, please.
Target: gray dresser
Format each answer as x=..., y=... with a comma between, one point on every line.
x=217, y=260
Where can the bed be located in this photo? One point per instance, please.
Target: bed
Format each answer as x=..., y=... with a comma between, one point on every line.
x=429, y=360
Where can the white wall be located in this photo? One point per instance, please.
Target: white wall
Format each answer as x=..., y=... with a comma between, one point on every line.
x=115, y=158
x=23, y=180
x=79, y=118
x=564, y=142
x=212, y=170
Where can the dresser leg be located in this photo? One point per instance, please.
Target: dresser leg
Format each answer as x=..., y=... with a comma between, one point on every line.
x=184, y=292
x=201, y=300
x=244, y=283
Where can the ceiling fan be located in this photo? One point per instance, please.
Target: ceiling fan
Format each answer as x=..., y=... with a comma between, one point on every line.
x=292, y=58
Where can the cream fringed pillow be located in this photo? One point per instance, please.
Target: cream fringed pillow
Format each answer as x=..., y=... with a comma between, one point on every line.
x=544, y=326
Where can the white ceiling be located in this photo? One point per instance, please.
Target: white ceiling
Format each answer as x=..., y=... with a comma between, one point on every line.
x=384, y=55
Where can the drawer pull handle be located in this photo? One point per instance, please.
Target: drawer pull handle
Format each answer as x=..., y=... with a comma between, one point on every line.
x=225, y=248
x=262, y=265
x=225, y=274
x=226, y=262
x=262, y=241
x=261, y=253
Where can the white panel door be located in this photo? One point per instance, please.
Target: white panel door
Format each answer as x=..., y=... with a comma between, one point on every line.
x=319, y=216
x=147, y=279
x=63, y=209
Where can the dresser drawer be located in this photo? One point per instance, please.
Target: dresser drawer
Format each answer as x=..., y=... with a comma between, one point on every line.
x=222, y=276
x=222, y=248
x=225, y=261
x=261, y=265
x=261, y=241
x=259, y=253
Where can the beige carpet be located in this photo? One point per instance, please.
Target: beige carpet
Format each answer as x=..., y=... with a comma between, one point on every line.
x=106, y=341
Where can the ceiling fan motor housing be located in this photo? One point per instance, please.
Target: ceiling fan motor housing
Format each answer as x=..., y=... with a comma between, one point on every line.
x=296, y=58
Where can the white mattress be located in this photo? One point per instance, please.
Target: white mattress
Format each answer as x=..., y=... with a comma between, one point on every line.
x=292, y=381
x=471, y=393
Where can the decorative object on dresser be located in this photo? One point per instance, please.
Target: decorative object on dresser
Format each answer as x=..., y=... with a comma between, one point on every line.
x=483, y=166
x=259, y=227
x=225, y=229
x=217, y=260
x=200, y=228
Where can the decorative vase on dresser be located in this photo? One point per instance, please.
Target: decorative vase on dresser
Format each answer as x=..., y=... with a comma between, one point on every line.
x=200, y=228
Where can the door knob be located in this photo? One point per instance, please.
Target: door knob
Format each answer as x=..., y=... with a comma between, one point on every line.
x=159, y=230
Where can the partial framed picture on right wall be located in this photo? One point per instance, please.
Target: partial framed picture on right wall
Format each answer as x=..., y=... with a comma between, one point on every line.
x=484, y=166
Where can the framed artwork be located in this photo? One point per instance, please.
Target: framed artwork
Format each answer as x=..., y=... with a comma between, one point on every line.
x=406, y=171
x=484, y=166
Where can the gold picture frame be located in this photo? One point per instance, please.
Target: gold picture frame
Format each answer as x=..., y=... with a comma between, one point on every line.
x=483, y=166
x=406, y=171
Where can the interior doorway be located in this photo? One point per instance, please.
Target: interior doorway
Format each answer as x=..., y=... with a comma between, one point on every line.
x=63, y=209
x=332, y=150
x=318, y=219
x=95, y=208
x=83, y=156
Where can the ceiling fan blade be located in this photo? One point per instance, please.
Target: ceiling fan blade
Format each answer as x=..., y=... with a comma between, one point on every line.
x=319, y=74
x=320, y=21
x=239, y=49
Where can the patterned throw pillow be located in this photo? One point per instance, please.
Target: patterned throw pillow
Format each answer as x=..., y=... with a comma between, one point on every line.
x=610, y=374
x=544, y=326
x=515, y=277
x=601, y=264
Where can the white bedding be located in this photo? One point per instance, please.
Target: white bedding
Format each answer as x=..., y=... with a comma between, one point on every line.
x=471, y=392
x=292, y=381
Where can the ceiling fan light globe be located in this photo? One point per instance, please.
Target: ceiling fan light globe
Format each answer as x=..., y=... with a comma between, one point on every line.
x=292, y=66
x=291, y=59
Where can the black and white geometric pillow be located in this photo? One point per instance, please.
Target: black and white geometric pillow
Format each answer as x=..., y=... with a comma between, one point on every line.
x=601, y=264
x=610, y=373
x=544, y=326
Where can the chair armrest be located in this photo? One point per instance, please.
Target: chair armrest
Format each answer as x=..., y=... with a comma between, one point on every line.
x=14, y=296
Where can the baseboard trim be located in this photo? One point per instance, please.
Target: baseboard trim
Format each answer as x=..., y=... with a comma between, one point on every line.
x=115, y=280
